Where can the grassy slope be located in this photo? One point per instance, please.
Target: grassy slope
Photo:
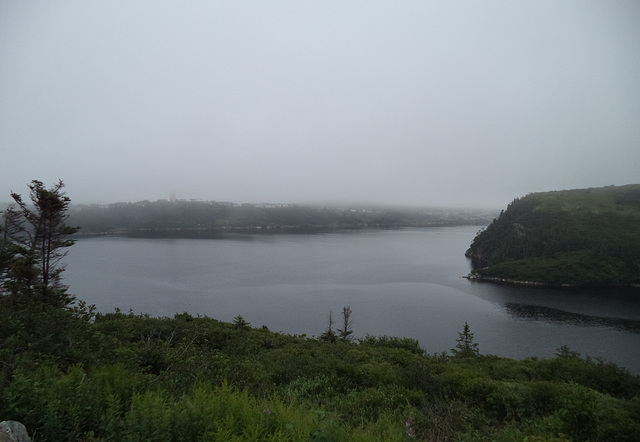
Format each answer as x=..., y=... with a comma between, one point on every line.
x=129, y=378
x=574, y=237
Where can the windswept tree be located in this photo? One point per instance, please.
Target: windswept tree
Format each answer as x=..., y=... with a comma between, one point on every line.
x=35, y=236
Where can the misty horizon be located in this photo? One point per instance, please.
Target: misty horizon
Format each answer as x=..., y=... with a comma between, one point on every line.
x=317, y=203
x=456, y=104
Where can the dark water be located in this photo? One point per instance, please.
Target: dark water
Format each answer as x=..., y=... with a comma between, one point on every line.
x=397, y=282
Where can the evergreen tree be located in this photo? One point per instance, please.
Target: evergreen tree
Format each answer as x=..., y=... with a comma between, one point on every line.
x=465, y=346
x=240, y=322
x=33, y=242
x=34, y=302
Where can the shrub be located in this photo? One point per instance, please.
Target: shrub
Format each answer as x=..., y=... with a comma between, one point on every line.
x=385, y=341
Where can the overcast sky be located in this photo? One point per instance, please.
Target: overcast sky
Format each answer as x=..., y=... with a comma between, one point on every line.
x=427, y=103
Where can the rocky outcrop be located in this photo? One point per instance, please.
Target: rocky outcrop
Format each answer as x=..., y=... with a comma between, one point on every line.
x=12, y=431
x=477, y=256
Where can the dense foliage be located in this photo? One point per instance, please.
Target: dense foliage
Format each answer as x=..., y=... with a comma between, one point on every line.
x=206, y=219
x=125, y=377
x=576, y=237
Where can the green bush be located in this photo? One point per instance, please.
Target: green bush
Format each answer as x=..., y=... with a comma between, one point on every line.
x=385, y=341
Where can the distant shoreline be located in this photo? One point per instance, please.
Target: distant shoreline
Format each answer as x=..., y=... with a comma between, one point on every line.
x=217, y=232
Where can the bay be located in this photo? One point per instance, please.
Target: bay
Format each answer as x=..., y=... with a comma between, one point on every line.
x=406, y=282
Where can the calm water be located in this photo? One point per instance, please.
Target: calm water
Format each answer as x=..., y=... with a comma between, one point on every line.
x=397, y=282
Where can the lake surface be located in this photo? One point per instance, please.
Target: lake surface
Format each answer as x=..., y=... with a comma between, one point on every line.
x=404, y=282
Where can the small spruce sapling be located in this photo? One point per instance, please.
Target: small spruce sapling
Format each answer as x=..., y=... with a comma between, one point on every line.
x=465, y=347
x=240, y=322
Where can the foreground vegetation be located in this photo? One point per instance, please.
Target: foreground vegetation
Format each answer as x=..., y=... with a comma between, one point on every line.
x=70, y=374
x=576, y=237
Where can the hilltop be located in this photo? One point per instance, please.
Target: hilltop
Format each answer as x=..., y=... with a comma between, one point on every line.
x=581, y=237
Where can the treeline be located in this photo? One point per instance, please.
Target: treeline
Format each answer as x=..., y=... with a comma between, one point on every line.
x=577, y=237
x=198, y=218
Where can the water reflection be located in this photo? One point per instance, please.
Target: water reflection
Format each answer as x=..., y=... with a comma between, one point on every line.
x=552, y=315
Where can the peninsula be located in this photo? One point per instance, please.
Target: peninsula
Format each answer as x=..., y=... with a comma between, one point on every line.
x=581, y=237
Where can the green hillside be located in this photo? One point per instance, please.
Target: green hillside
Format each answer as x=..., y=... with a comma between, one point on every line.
x=570, y=237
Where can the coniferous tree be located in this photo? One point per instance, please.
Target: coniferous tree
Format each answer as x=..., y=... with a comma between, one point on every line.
x=465, y=346
x=34, y=240
x=240, y=322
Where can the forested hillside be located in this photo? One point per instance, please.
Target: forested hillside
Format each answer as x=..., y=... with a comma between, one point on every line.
x=207, y=218
x=571, y=237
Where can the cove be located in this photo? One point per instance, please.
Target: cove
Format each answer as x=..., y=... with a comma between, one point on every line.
x=406, y=282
